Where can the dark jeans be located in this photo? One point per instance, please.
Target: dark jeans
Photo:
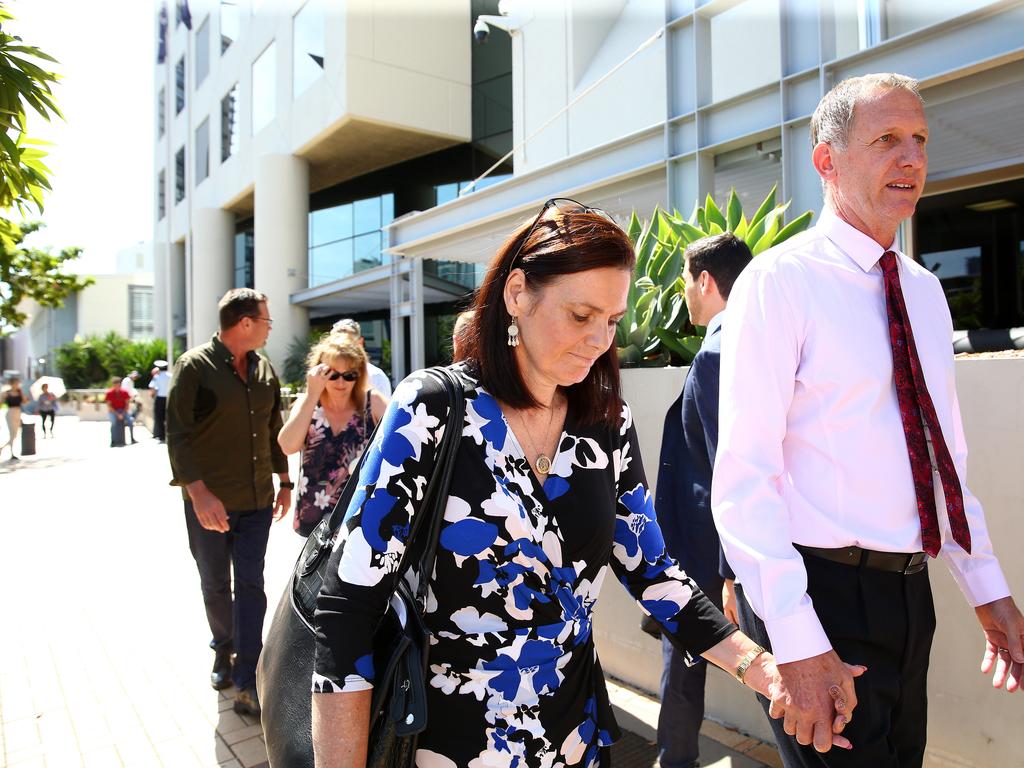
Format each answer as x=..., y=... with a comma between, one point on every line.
x=160, y=418
x=235, y=624
x=884, y=621
x=43, y=416
x=682, y=709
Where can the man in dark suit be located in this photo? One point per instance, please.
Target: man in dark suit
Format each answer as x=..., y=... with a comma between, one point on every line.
x=683, y=497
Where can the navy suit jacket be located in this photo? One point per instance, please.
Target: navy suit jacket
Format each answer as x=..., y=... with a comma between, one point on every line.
x=689, y=442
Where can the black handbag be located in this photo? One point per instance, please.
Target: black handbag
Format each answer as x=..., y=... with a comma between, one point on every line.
x=398, y=710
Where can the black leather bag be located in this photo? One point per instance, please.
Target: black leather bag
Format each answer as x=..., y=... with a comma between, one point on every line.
x=398, y=711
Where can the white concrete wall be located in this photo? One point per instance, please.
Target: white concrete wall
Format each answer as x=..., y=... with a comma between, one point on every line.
x=104, y=307
x=566, y=47
x=969, y=724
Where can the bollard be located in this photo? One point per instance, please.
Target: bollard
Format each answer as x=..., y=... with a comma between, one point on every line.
x=28, y=435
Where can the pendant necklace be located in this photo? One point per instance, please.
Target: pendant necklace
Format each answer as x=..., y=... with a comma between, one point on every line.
x=543, y=462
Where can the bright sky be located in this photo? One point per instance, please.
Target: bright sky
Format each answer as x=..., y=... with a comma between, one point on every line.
x=102, y=158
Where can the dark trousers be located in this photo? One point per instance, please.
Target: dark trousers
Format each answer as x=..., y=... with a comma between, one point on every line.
x=236, y=624
x=160, y=418
x=682, y=709
x=884, y=621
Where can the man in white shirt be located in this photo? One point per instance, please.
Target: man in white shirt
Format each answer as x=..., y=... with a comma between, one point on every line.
x=160, y=383
x=841, y=452
x=378, y=379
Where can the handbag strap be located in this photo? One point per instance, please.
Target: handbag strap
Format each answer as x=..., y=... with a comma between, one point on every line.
x=435, y=497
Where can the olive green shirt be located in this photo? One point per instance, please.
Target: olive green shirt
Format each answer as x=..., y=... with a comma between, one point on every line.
x=223, y=430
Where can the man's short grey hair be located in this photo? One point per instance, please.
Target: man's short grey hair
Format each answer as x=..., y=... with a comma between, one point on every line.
x=347, y=325
x=833, y=118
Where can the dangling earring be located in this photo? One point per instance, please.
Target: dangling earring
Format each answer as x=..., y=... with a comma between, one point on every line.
x=513, y=332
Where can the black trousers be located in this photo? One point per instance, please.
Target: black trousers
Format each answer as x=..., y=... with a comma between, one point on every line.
x=235, y=616
x=884, y=621
x=160, y=418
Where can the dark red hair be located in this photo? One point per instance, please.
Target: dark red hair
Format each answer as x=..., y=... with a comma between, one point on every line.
x=561, y=243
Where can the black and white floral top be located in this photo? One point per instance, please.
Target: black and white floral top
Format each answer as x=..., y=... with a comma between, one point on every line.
x=514, y=679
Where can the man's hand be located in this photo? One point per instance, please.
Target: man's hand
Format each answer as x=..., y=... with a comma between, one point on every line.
x=209, y=510
x=729, y=601
x=816, y=698
x=282, y=503
x=1003, y=626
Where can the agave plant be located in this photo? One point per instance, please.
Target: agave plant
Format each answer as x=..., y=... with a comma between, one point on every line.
x=653, y=332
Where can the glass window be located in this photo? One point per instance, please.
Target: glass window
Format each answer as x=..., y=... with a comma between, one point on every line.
x=140, y=312
x=753, y=28
x=161, y=113
x=445, y=193
x=330, y=224
x=202, y=149
x=229, y=23
x=347, y=238
x=179, y=86
x=367, y=215
x=330, y=262
x=179, y=175
x=244, y=259
x=307, y=46
x=229, y=124
x=202, y=52
x=161, y=194
x=264, y=88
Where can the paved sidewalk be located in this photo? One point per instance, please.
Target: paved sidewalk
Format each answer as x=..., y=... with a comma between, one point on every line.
x=103, y=657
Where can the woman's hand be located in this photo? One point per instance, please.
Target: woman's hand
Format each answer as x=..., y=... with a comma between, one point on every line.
x=316, y=380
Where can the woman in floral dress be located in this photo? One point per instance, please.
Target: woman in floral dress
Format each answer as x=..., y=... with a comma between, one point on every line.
x=548, y=493
x=331, y=424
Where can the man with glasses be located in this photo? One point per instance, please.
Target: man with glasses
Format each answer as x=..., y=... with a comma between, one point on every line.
x=223, y=417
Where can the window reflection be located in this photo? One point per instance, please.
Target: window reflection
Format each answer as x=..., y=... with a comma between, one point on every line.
x=347, y=238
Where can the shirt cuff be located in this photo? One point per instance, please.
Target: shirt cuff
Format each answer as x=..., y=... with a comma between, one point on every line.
x=796, y=637
x=982, y=583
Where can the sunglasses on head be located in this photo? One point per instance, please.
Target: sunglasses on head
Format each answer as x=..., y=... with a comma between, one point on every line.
x=346, y=375
x=563, y=205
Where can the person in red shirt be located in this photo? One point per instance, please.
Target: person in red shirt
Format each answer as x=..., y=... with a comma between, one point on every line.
x=118, y=400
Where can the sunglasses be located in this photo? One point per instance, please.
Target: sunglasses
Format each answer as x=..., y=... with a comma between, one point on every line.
x=346, y=375
x=562, y=205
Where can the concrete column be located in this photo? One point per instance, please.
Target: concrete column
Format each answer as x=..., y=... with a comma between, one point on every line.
x=282, y=243
x=213, y=242
x=178, y=292
x=161, y=294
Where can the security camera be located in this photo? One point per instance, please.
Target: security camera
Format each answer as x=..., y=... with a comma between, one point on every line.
x=481, y=31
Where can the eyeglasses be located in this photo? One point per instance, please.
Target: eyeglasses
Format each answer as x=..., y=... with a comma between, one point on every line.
x=563, y=205
x=346, y=375
x=267, y=320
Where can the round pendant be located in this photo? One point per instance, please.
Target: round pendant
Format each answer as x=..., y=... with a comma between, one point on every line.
x=543, y=464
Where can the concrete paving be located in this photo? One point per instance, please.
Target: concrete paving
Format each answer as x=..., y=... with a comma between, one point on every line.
x=103, y=647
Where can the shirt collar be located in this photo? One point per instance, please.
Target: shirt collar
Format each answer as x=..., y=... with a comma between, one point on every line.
x=222, y=350
x=713, y=326
x=851, y=241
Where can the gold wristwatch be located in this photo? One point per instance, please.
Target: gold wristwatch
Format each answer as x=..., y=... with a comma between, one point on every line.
x=747, y=660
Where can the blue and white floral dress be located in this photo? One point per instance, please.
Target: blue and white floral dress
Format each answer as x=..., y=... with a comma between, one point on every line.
x=514, y=679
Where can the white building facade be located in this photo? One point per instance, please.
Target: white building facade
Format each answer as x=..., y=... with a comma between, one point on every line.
x=628, y=104
x=289, y=134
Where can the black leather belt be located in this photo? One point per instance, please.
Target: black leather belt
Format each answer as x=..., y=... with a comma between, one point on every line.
x=894, y=562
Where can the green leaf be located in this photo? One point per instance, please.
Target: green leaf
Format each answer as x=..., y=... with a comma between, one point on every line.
x=799, y=224
x=713, y=214
x=771, y=229
x=767, y=205
x=741, y=228
x=734, y=211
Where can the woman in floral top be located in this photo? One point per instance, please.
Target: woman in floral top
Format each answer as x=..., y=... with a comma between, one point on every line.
x=547, y=499
x=331, y=424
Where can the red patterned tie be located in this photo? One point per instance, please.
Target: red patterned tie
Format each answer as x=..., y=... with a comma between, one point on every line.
x=916, y=411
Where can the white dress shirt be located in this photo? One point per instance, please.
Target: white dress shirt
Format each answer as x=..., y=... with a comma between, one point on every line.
x=378, y=379
x=811, y=448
